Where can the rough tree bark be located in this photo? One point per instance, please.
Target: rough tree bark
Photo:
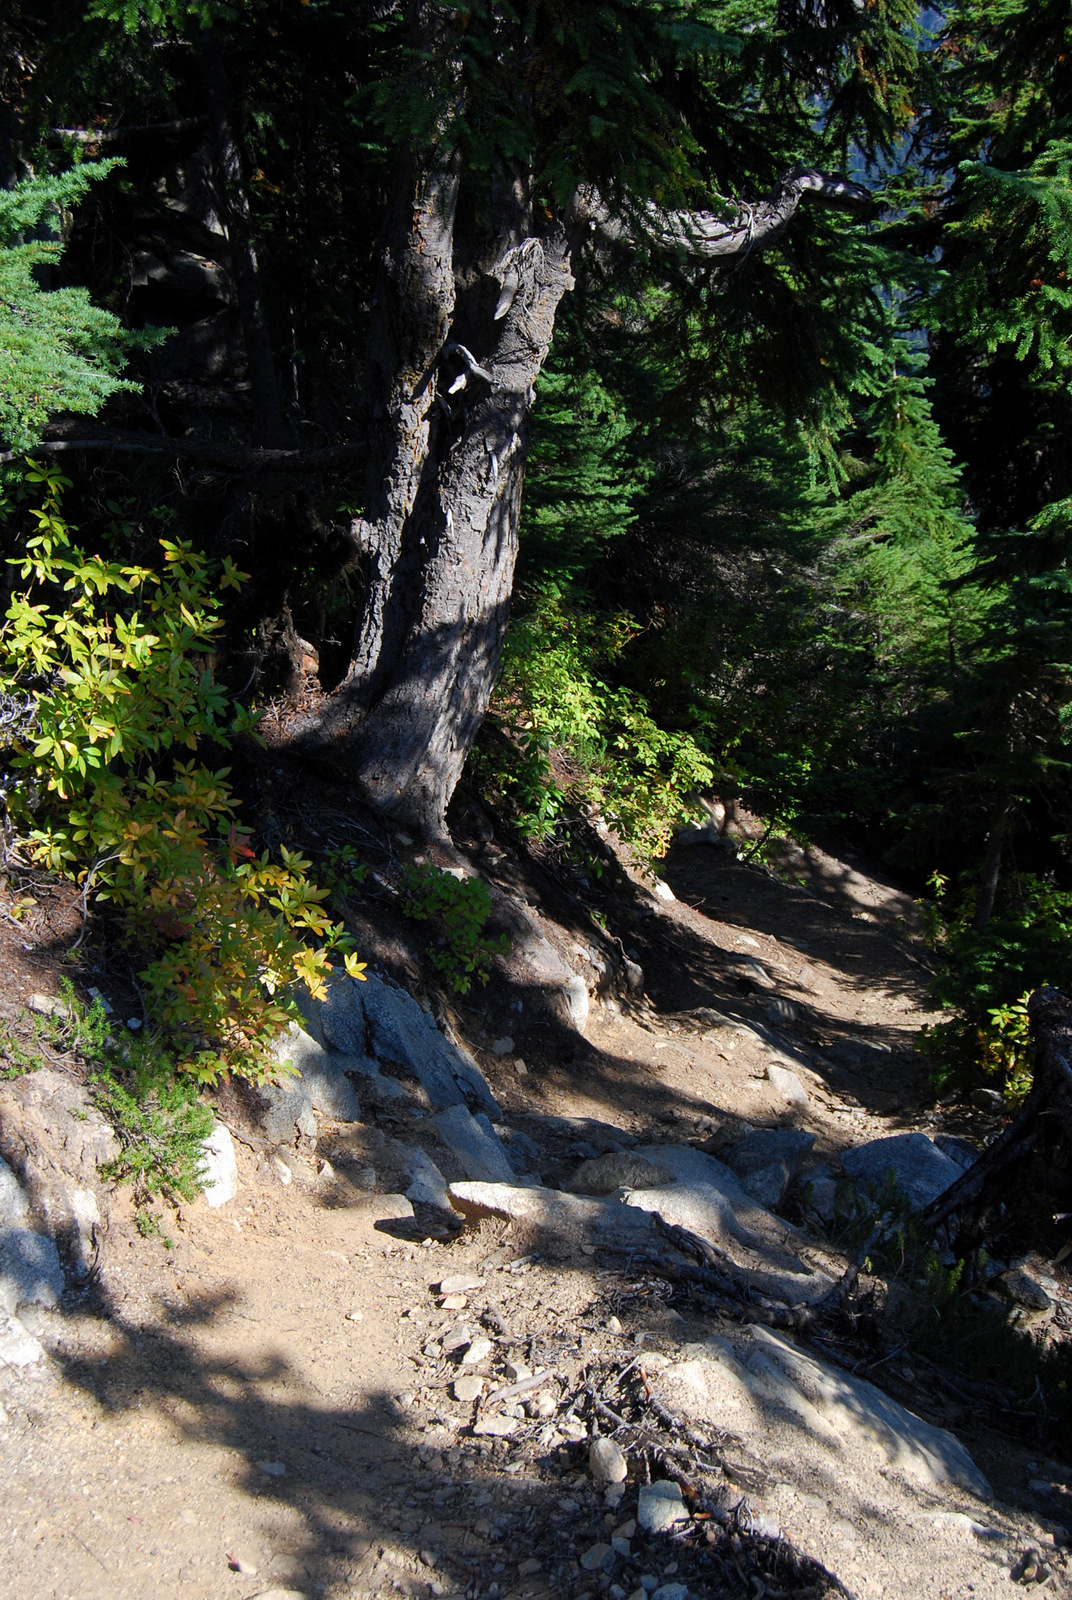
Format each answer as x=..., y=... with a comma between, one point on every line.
x=461, y=330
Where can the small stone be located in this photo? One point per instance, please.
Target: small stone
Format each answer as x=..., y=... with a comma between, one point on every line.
x=787, y=1084
x=503, y=1046
x=613, y=1325
x=240, y=1564
x=459, y=1283
x=660, y=1506
x=279, y=1594
x=648, y=1583
x=621, y=1548
x=458, y=1337
x=595, y=1557
x=273, y=1469
x=355, y=1316
x=662, y=890
x=542, y=1404
x=671, y=1591
x=517, y=1371
x=520, y=1068
x=454, y=1302
x=468, y=1388
x=326, y=1171
x=281, y=1170
x=573, y=1430
x=988, y=1100
x=626, y=1529
x=496, y=1427
x=1022, y=1288
x=219, y=1167
x=479, y=1350
x=429, y=1558
x=606, y=1461
x=612, y=1498
x=529, y=1568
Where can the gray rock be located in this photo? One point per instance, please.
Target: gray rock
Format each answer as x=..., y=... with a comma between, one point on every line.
x=988, y=1100
x=752, y=1241
x=606, y=1461
x=468, y=1388
x=768, y=1160
x=287, y=1111
x=820, y=1192
x=619, y=1169
x=602, y=1136
x=219, y=1171
x=598, y=1557
x=573, y=1219
x=378, y=1018
x=660, y=1506
x=689, y=1165
x=30, y=1271
x=1024, y=1290
x=671, y=1591
x=575, y=994
x=787, y=1084
x=54, y=1140
x=427, y=1185
x=762, y=1383
x=460, y=1283
x=476, y=1146
x=910, y=1160
x=961, y=1151
x=323, y=1074
x=522, y=1150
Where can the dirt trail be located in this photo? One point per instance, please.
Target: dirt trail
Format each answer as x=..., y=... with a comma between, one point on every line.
x=253, y=1409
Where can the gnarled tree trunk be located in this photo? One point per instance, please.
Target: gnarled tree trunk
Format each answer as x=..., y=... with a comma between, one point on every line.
x=461, y=330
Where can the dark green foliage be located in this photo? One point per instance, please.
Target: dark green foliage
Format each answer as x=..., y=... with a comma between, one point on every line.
x=58, y=351
x=458, y=909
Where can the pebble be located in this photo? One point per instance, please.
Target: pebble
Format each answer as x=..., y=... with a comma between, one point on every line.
x=496, y=1427
x=517, y=1371
x=573, y=1430
x=626, y=1530
x=672, y=1591
x=274, y=1469
x=660, y=1506
x=468, y=1388
x=459, y=1283
x=649, y=1583
x=458, y=1337
x=479, y=1350
x=279, y=1594
x=594, y=1558
x=240, y=1564
x=526, y=1569
x=613, y=1325
x=541, y=1405
x=355, y=1316
x=429, y=1558
x=503, y=1046
x=613, y=1497
x=606, y=1461
x=281, y=1170
x=454, y=1302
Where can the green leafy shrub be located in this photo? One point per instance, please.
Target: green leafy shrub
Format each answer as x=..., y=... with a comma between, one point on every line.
x=112, y=665
x=458, y=909
x=569, y=737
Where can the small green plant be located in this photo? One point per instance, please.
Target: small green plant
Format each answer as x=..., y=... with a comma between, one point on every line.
x=159, y=1121
x=458, y=909
x=343, y=871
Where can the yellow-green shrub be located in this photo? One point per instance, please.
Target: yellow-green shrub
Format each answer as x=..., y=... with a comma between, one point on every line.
x=113, y=664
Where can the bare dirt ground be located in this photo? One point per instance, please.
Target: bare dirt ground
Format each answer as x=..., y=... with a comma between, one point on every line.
x=262, y=1407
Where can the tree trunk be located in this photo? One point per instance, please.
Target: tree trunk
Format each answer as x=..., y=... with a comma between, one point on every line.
x=461, y=328
x=988, y=889
x=455, y=380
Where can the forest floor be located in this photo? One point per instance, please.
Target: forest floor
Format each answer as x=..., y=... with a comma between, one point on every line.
x=249, y=1410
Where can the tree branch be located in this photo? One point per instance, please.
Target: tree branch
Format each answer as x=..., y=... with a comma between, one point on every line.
x=750, y=227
